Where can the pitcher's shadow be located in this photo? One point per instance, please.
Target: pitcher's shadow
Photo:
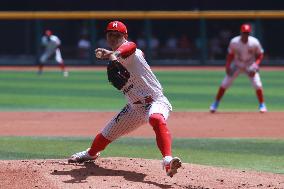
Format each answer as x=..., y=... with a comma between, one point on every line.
x=91, y=169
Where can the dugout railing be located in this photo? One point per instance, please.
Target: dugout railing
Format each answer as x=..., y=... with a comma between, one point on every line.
x=201, y=26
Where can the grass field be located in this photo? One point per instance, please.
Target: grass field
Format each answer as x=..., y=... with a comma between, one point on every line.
x=89, y=90
x=257, y=154
x=187, y=90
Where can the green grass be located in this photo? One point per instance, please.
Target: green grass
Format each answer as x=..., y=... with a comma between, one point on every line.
x=50, y=91
x=90, y=91
x=187, y=90
x=250, y=154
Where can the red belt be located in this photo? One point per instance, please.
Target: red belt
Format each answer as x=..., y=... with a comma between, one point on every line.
x=147, y=100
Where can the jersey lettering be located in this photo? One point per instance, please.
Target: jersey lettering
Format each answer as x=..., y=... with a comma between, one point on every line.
x=128, y=89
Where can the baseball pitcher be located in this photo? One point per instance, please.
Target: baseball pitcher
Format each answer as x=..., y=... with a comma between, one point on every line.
x=51, y=45
x=245, y=54
x=129, y=73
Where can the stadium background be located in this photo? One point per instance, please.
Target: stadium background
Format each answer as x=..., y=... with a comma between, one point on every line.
x=200, y=40
x=50, y=116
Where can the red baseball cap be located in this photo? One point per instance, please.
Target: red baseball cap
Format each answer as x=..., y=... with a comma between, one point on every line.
x=48, y=32
x=245, y=28
x=116, y=26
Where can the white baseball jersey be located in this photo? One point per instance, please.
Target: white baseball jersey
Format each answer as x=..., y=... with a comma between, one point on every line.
x=141, y=84
x=244, y=53
x=142, y=81
x=244, y=56
x=51, y=44
x=51, y=47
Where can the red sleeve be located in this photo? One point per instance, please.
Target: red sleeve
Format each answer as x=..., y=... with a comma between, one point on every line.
x=229, y=59
x=126, y=49
x=259, y=59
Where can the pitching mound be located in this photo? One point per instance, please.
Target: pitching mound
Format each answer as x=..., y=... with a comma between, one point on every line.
x=127, y=173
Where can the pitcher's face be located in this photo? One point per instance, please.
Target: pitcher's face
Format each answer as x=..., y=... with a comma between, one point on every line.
x=114, y=39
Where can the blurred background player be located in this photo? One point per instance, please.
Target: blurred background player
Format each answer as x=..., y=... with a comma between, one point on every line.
x=51, y=45
x=245, y=54
x=129, y=72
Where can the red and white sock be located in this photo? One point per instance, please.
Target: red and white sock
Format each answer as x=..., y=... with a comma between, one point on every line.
x=40, y=67
x=62, y=66
x=163, y=136
x=99, y=144
x=220, y=93
x=259, y=94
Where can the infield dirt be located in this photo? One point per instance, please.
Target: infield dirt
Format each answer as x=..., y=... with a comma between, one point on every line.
x=130, y=172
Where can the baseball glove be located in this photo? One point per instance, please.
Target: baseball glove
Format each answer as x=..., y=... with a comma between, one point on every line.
x=252, y=69
x=117, y=74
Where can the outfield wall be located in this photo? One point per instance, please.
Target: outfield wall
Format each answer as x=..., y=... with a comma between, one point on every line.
x=31, y=61
x=201, y=37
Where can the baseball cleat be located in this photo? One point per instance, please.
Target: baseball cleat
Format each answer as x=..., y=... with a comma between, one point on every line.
x=82, y=157
x=172, y=166
x=262, y=108
x=214, y=106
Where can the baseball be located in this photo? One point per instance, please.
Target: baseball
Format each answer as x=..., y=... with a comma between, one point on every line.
x=99, y=54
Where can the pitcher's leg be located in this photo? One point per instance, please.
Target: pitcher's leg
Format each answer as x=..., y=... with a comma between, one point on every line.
x=158, y=114
x=127, y=120
x=163, y=136
x=124, y=122
x=99, y=144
